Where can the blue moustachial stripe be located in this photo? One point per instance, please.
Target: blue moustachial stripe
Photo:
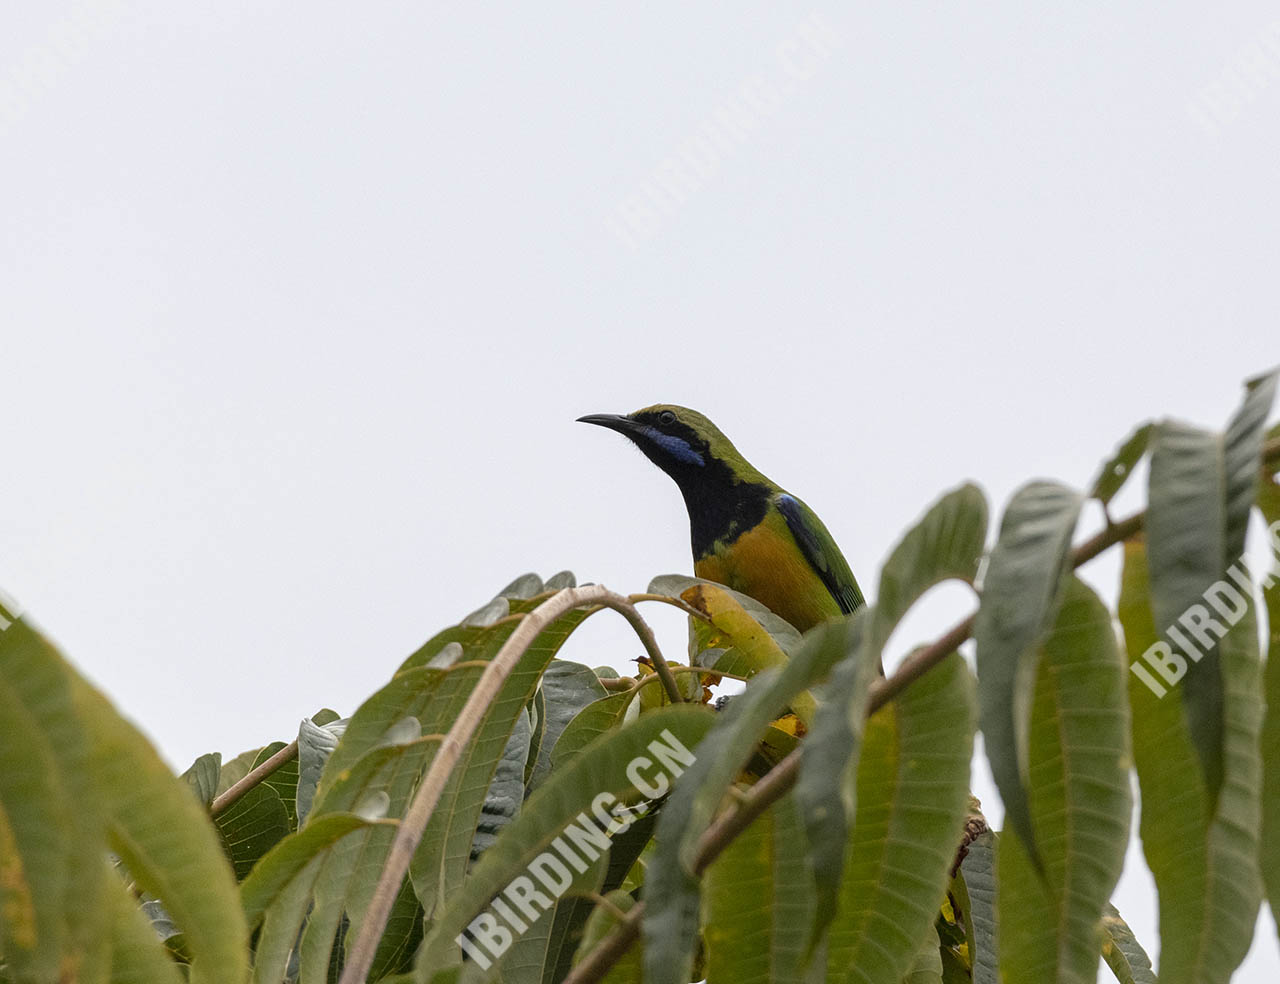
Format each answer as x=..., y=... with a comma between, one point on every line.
x=677, y=447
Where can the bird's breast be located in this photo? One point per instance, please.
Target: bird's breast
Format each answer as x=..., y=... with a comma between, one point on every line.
x=765, y=562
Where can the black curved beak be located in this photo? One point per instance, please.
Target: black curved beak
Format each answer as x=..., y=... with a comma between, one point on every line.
x=614, y=421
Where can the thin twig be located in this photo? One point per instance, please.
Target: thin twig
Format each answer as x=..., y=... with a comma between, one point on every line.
x=680, y=603
x=782, y=777
x=628, y=611
x=487, y=688
x=255, y=776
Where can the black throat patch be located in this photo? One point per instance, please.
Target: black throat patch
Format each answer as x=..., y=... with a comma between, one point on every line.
x=721, y=507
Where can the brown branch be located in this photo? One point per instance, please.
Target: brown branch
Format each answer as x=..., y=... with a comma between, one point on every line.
x=255, y=776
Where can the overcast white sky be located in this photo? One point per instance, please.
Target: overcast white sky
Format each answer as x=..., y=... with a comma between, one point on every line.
x=299, y=302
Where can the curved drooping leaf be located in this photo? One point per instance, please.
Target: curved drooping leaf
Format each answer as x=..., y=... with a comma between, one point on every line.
x=703, y=634
x=546, y=951
x=506, y=790
x=826, y=789
x=946, y=543
x=1020, y=596
x=1201, y=491
x=166, y=839
x=1051, y=918
x=759, y=902
x=568, y=797
x=418, y=700
x=316, y=743
x=279, y=890
x=730, y=624
x=280, y=868
x=203, y=775
x=1269, y=852
x=1116, y=470
x=974, y=888
x=442, y=856
x=1203, y=854
x=912, y=801
x=927, y=967
x=36, y=831
x=50, y=797
x=671, y=924
x=136, y=953
x=567, y=688
x=1122, y=951
x=124, y=797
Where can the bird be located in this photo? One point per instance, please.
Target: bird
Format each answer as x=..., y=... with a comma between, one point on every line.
x=746, y=531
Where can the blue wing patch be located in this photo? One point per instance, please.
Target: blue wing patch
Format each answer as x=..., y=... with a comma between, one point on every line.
x=824, y=557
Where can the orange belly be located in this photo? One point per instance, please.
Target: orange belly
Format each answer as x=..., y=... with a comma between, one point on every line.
x=766, y=563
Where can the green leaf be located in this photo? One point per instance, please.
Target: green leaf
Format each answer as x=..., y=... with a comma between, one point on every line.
x=566, y=688
x=278, y=892
x=281, y=867
x=1122, y=951
x=927, y=968
x=589, y=724
x=671, y=923
x=441, y=860
x=235, y=770
x=54, y=815
x=946, y=543
x=316, y=743
x=568, y=795
x=702, y=634
x=1117, y=469
x=974, y=889
x=388, y=772
x=137, y=955
x=202, y=777
x=1201, y=490
x=604, y=918
x=1203, y=854
x=1269, y=855
x=545, y=951
x=431, y=686
x=36, y=837
x=759, y=902
x=1020, y=596
x=826, y=789
x=731, y=625
x=167, y=841
x=506, y=791
x=912, y=800
x=251, y=826
x=1051, y=918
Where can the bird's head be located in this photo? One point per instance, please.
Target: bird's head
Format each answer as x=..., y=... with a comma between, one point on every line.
x=682, y=442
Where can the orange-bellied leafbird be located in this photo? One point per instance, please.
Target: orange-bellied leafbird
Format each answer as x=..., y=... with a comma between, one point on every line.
x=747, y=532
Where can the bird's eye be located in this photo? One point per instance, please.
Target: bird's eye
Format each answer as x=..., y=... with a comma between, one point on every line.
x=666, y=418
